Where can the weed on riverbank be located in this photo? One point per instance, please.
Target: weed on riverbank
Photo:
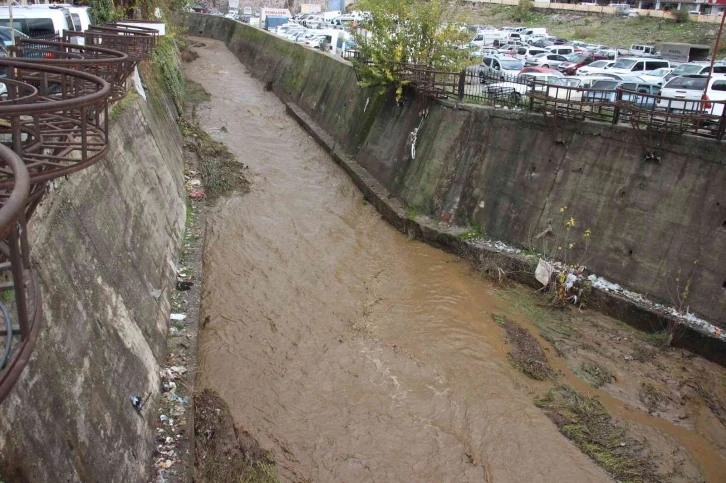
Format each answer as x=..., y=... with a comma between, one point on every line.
x=586, y=422
x=221, y=173
x=526, y=354
x=223, y=452
x=594, y=374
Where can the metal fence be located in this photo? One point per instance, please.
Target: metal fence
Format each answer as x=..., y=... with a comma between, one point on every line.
x=641, y=110
x=54, y=99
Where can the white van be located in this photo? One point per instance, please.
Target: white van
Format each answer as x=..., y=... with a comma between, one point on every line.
x=561, y=49
x=645, y=50
x=38, y=23
x=637, y=65
x=334, y=42
x=534, y=33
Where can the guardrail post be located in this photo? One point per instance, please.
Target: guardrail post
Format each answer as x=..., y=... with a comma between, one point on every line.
x=531, y=97
x=616, y=110
x=462, y=85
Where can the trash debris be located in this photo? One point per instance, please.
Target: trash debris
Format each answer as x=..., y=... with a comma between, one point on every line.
x=163, y=417
x=138, y=403
x=178, y=316
x=544, y=272
x=184, y=285
x=197, y=194
x=178, y=369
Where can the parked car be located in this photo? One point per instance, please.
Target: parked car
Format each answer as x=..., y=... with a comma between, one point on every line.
x=518, y=87
x=499, y=67
x=546, y=60
x=525, y=53
x=541, y=70
x=657, y=76
x=561, y=49
x=697, y=68
x=686, y=93
x=637, y=65
x=542, y=43
x=638, y=93
x=579, y=60
x=571, y=88
x=597, y=67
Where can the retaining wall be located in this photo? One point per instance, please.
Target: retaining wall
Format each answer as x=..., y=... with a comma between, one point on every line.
x=104, y=244
x=502, y=169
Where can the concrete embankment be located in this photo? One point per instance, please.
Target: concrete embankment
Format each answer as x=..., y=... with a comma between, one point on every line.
x=105, y=243
x=655, y=226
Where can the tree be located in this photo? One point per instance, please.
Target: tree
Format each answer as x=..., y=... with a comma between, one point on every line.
x=426, y=33
x=102, y=11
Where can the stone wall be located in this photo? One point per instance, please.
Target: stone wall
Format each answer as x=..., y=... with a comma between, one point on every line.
x=104, y=244
x=503, y=170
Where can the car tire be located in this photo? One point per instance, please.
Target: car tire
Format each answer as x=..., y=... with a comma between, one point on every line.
x=546, y=66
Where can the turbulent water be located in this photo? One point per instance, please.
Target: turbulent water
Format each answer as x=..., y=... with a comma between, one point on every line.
x=351, y=352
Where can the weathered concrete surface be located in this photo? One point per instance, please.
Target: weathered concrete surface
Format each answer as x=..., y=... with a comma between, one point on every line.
x=504, y=171
x=103, y=243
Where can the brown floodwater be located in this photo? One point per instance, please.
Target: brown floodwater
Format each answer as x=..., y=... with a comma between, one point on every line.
x=350, y=351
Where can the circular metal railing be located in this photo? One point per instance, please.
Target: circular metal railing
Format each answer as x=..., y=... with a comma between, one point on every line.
x=20, y=302
x=110, y=65
x=54, y=100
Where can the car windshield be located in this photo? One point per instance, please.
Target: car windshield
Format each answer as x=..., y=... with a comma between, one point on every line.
x=688, y=83
x=688, y=69
x=599, y=63
x=511, y=65
x=625, y=63
x=659, y=72
x=605, y=84
x=577, y=57
x=539, y=56
x=566, y=82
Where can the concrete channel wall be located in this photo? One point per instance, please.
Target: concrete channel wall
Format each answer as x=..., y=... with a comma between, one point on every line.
x=104, y=244
x=503, y=170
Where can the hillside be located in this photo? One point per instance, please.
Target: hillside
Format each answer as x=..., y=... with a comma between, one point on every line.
x=597, y=28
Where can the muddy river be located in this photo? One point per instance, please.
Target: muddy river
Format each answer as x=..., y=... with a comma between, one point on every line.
x=350, y=351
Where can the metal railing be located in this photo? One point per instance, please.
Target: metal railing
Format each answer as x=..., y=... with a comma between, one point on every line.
x=108, y=64
x=54, y=100
x=20, y=302
x=641, y=110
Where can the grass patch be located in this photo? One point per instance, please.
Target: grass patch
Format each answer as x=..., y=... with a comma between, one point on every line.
x=475, y=231
x=526, y=354
x=123, y=105
x=601, y=29
x=220, y=171
x=586, y=422
x=223, y=452
x=195, y=94
x=594, y=374
x=653, y=398
x=411, y=213
x=716, y=406
x=660, y=339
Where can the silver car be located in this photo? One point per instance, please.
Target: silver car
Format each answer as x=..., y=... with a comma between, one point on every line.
x=545, y=60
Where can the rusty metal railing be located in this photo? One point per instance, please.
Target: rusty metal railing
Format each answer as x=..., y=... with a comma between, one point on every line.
x=646, y=113
x=108, y=64
x=54, y=100
x=20, y=301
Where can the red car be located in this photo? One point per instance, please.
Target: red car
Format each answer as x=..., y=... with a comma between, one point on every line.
x=570, y=68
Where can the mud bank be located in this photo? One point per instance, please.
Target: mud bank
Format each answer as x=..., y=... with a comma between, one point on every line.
x=502, y=171
x=105, y=244
x=354, y=353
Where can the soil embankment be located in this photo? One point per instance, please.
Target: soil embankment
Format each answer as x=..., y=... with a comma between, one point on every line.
x=355, y=354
